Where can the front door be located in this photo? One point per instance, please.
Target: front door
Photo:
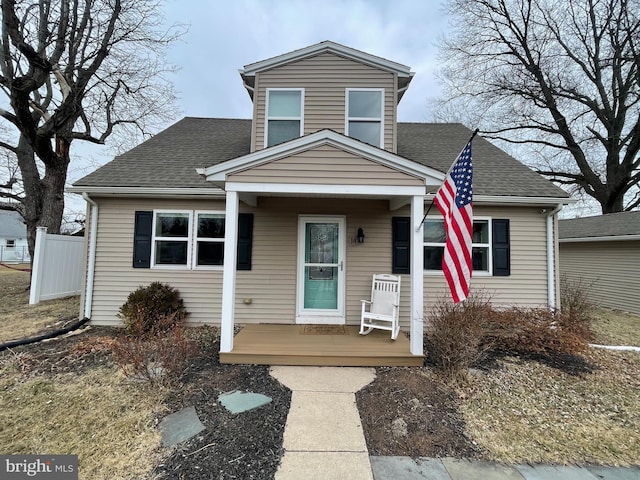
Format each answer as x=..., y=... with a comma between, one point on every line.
x=321, y=273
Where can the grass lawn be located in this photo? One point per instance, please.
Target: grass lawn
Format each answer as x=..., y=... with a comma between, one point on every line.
x=98, y=415
x=527, y=412
x=18, y=319
x=95, y=413
x=613, y=327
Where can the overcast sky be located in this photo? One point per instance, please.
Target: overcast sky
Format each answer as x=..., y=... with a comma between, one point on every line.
x=225, y=35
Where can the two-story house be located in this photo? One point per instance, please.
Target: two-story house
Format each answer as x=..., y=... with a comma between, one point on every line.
x=283, y=219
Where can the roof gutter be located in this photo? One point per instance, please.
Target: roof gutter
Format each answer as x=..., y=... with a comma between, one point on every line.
x=155, y=192
x=551, y=264
x=498, y=200
x=610, y=238
x=91, y=267
x=251, y=90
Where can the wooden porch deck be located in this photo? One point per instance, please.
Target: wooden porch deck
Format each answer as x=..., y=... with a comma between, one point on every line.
x=321, y=345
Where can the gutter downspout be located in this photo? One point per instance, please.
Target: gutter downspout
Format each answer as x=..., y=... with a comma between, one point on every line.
x=91, y=267
x=551, y=245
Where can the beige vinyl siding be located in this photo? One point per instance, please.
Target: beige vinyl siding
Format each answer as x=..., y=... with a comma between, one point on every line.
x=275, y=257
x=326, y=165
x=527, y=284
x=115, y=277
x=325, y=78
x=608, y=270
x=271, y=283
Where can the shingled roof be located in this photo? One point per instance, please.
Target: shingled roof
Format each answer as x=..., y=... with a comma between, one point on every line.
x=11, y=225
x=170, y=158
x=610, y=225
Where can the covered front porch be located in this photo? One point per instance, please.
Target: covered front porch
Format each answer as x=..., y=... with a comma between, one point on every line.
x=319, y=345
x=305, y=195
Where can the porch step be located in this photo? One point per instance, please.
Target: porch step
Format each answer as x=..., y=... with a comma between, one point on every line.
x=268, y=344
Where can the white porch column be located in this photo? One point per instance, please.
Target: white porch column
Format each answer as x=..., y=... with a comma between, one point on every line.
x=229, y=272
x=417, y=275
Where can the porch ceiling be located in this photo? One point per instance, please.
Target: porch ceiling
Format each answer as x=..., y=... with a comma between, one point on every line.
x=396, y=201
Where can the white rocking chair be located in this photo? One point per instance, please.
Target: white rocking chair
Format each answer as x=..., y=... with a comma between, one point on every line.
x=382, y=311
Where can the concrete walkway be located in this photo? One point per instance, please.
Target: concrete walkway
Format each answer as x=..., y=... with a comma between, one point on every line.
x=323, y=438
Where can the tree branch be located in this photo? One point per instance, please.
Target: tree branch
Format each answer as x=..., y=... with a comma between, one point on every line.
x=12, y=196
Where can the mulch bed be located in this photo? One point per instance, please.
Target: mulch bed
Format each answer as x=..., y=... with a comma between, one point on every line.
x=405, y=411
x=411, y=412
x=242, y=446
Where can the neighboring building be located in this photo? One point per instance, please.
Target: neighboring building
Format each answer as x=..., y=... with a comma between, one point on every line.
x=256, y=221
x=602, y=254
x=13, y=238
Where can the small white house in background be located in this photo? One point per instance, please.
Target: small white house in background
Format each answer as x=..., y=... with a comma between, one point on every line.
x=603, y=254
x=13, y=238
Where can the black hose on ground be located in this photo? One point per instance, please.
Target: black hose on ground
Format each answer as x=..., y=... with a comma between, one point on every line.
x=44, y=336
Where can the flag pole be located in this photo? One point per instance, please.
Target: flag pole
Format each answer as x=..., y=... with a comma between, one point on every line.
x=475, y=132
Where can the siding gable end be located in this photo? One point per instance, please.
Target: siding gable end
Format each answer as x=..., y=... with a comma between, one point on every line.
x=326, y=165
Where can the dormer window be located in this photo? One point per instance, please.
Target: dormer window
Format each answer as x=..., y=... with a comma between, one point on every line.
x=284, y=119
x=365, y=110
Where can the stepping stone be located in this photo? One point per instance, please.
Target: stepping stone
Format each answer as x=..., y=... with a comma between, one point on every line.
x=239, y=402
x=180, y=426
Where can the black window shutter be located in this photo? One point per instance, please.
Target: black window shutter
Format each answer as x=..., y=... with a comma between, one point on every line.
x=245, y=241
x=501, y=248
x=401, y=243
x=142, y=239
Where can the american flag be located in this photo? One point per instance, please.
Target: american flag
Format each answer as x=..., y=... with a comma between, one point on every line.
x=454, y=200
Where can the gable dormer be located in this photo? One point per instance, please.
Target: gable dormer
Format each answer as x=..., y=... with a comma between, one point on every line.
x=325, y=86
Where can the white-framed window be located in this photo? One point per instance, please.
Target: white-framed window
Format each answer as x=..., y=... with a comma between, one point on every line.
x=284, y=119
x=11, y=243
x=365, y=114
x=171, y=244
x=209, y=239
x=187, y=239
x=435, y=240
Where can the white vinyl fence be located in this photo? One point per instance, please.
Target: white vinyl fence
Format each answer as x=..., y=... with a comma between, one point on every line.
x=58, y=263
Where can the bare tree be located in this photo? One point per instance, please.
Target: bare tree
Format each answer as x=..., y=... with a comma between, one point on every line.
x=76, y=70
x=562, y=78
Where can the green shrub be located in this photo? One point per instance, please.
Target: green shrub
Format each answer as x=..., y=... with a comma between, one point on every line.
x=154, y=309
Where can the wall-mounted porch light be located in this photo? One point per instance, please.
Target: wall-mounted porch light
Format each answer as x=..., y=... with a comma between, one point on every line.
x=360, y=235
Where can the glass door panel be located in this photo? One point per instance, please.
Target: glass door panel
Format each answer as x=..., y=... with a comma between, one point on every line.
x=321, y=266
